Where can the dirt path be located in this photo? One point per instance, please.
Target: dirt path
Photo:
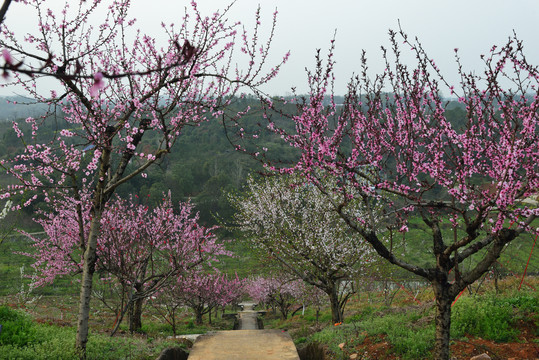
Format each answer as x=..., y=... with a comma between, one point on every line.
x=244, y=345
x=248, y=343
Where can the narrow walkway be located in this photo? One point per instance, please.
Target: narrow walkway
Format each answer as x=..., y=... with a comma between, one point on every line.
x=244, y=345
x=248, y=343
x=248, y=317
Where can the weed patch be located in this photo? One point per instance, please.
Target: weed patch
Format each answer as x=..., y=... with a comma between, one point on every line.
x=410, y=337
x=17, y=328
x=52, y=342
x=486, y=317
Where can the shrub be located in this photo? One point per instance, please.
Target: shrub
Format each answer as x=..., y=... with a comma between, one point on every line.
x=488, y=317
x=524, y=301
x=332, y=337
x=58, y=343
x=17, y=329
x=409, y=340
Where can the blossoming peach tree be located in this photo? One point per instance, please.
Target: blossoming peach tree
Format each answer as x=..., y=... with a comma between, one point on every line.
x=119, y=86
x=139, y=250
x=295, y=224
x=392, y=136
x=278, y=291
x=147, y=250
x=203, y=291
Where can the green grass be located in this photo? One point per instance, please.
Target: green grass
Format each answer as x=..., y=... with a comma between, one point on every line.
x=58, y=343
x=492, y=317
x=409, y=338
x=416, y=248
x=333, y=336
x=53, y=342
x=408, y=330
x=11, y=263
x=17, y=328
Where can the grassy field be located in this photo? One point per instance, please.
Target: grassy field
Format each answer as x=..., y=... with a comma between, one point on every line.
x=500, y=322
x=383, y=321
x=504, y=324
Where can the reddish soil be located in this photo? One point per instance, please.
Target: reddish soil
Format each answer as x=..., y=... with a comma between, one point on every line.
x=377, y=347
x=512, y=351
x=524, y=348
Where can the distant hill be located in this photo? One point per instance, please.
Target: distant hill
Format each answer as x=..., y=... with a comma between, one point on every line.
x=18, y=107
x=202, y=164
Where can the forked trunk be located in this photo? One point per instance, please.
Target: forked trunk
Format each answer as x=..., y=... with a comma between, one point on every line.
x=173, y=323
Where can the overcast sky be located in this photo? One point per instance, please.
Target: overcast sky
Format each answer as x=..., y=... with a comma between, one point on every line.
x=473, y=26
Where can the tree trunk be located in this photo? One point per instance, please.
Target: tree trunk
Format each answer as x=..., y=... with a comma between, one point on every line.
x=198, y=315
x=442, y=321
x=90, y=259
x=135, y=313
x=283, y=309
x=496, y=275
x=121, y=315
x=90, y=253
x=336, y=314
x=173, y=318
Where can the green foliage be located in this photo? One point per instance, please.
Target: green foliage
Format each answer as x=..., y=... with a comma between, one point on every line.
x=409, y=338
x=201, y=165
x=486, y=317
x=17, y=328
x=11, y=263
x=524, y=301
x=332, y=336
x=410, y=333
x=161, y=329
x=412, y=343
x=365, y=312
x=58, y=343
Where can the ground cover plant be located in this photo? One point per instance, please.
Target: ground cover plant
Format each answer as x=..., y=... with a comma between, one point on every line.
x=404, y=330
x=372, y=328
x=49, y=341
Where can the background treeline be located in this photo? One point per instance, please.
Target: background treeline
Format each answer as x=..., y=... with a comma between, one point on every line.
x=203, y=165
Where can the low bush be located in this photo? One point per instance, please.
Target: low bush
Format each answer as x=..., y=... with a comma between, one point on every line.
x=525, y=301
x=410, y=340
x=333, y=336
x=17, y=328
x=486, y=317
x=52, y=342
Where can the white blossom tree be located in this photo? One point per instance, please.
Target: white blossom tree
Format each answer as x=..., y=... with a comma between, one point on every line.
x=296, y=225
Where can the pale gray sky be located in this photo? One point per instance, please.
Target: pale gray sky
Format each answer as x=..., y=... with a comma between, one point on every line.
x=473, y=26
